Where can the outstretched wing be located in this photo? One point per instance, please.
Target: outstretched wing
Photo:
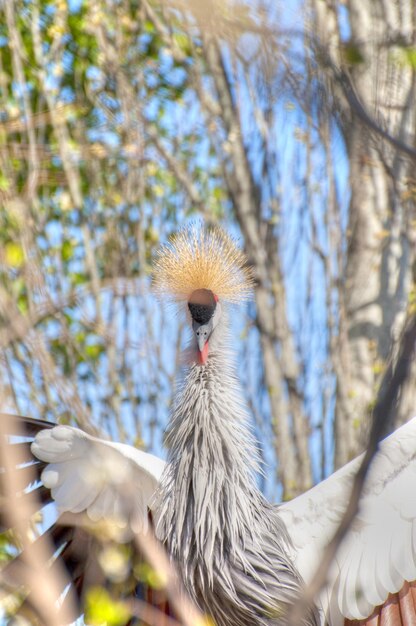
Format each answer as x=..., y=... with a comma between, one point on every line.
x=379, y=553
x=89, y=479
x=108, y=480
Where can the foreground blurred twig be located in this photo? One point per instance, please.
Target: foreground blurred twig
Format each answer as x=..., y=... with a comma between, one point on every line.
x=158, y=559
x=34, y=573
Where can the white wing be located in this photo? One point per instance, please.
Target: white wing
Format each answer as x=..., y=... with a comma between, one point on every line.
x=379, y=553
x=110, y=481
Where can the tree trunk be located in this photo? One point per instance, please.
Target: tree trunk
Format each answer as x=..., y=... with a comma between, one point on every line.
x=380, y=249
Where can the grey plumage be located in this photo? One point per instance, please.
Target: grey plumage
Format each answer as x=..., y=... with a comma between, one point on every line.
x=229, y=544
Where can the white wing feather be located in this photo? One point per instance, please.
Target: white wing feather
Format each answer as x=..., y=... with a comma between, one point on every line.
x=379, y=553
x=108, y=480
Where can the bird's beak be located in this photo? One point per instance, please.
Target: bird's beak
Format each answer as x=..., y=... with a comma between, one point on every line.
x=202, y=334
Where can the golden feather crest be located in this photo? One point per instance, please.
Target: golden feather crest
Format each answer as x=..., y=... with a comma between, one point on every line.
x=201, y=258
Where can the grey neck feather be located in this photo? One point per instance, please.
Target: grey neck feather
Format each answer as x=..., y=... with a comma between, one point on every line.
x=230, y=546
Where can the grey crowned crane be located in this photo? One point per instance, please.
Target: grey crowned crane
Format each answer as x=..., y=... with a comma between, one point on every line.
x=242, y=560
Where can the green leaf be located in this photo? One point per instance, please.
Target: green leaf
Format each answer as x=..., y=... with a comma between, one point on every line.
x=78, y=278
x=94, y=350
x=80, y=336
x=145, y=573
x=183, y=42
x=352, y=54
x=101, y=608
x=14, y=254
x=67, y=251
x=407, y=56
x=148, y=27
x=22, y=304
x=4, y=182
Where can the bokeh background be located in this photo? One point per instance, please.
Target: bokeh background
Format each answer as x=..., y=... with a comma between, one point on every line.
x=292, y=124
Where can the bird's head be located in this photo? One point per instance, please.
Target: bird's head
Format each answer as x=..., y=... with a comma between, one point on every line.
x=205, y=310
x=203, y=268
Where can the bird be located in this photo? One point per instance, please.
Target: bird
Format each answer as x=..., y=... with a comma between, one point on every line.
x=241, y=559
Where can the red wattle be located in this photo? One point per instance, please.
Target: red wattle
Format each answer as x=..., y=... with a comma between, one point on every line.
x=203, y=355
